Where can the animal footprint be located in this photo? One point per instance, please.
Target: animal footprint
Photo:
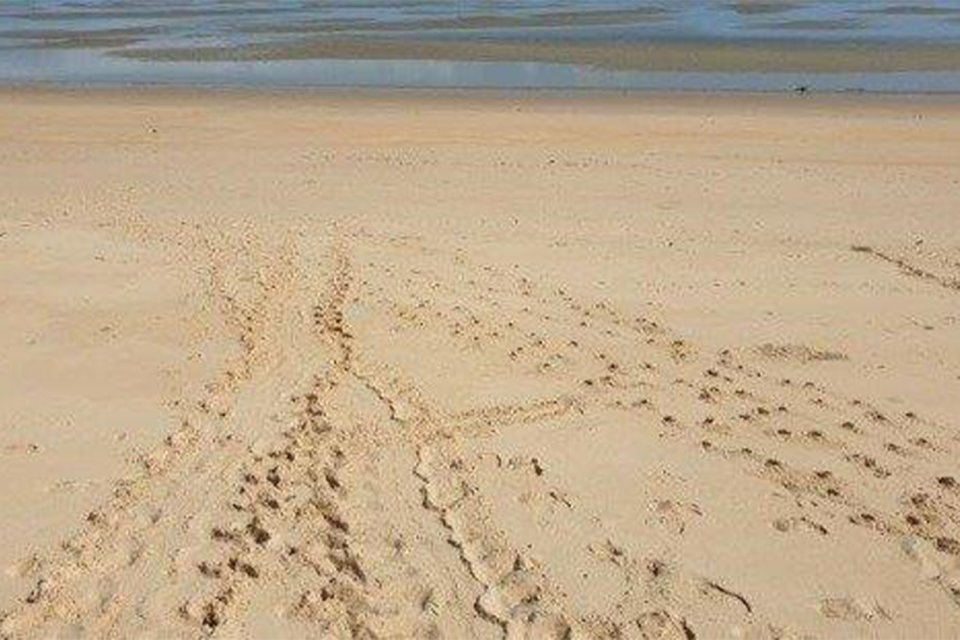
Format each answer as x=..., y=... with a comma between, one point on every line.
x=852, y=609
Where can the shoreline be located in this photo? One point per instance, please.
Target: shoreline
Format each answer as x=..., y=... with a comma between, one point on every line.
x=673, y=55
x=639, y=97
x=539, y=67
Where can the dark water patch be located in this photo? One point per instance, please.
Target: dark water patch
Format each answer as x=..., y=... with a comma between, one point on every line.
x=839, y=24
x=108, y=38
x=59, y=34
x=762, y=7
x=911, y=10
x=153, y=14
x=645, y=15
x=84, y=42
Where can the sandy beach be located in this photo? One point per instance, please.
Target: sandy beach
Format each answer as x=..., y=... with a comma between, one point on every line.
x=400, y=364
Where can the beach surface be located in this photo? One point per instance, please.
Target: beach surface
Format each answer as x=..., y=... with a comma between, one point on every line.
x=401, y=364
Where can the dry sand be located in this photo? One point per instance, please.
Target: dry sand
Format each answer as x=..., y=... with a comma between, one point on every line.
x=464, y=366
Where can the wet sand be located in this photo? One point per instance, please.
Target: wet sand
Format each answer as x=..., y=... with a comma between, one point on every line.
x=688, y=56
x=468, y=365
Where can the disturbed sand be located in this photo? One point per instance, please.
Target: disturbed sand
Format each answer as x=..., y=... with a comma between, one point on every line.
x=400, y=365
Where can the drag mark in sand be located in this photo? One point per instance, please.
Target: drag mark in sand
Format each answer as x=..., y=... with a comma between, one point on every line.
x=512, y=592
x=907, y=268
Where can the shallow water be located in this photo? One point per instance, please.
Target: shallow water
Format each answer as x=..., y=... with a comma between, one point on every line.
x=487, y=43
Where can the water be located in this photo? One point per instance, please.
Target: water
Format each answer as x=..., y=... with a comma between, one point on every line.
x=878, y=45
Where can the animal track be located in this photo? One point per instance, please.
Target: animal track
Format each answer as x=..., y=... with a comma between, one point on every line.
x=910, y=269
x=333, y=348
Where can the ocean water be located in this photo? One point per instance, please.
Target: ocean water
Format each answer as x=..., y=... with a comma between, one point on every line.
x=833, y=45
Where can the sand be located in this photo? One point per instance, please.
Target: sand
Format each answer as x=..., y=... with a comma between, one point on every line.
x=412, y=365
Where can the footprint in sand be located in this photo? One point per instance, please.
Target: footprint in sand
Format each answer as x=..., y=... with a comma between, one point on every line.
x=674, y=516
x=932, y=566
x=70, y=485
x=661, y=625
x=784, y=525
x=21, y=448
x=799, y=353
x=23, y=567
x=853, y=609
